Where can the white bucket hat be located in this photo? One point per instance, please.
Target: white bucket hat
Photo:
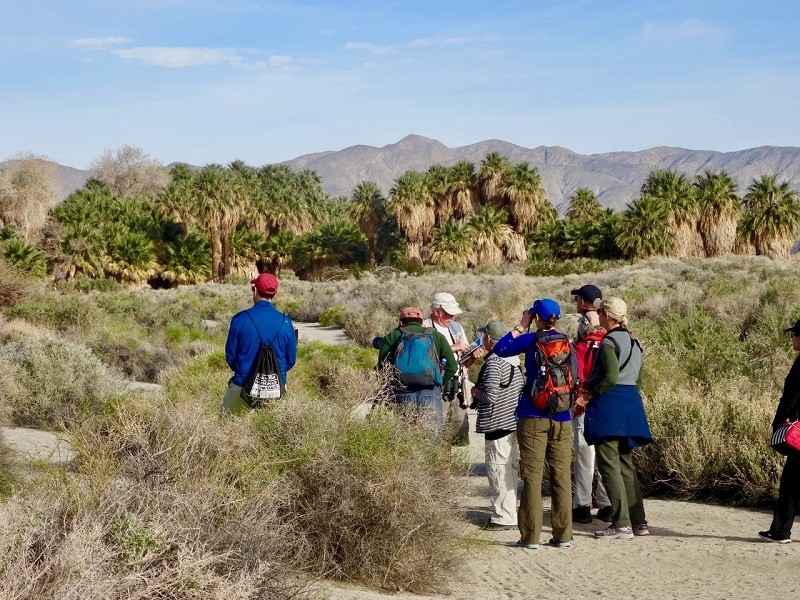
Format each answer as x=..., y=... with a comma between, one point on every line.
x=447, y=303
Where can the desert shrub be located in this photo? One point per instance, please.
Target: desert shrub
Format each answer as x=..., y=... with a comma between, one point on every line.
x=332, y=316
x=711, y=444
x=48, y=382
x=163, y=503
x=55, y=311
x=86, y=285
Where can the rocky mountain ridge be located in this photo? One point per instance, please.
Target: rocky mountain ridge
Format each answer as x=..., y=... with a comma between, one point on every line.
x=616, y=177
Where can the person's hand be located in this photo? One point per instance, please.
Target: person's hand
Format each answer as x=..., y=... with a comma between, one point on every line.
x=480, y=352
x=475, y=392
x=527, y=319
x=459, y=347
x=580, y=404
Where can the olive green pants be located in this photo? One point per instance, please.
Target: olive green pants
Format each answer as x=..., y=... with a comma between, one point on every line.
x=232, y=403
x=540, y=440
x=615, y=462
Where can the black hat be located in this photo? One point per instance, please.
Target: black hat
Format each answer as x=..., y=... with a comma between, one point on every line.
x=589, y=293
x=794, y=328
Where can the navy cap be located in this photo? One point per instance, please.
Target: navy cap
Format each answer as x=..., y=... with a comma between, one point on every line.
x=589, y=293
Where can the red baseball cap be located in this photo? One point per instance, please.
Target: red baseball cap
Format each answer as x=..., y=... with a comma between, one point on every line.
x=266, y=284
x=411, y=312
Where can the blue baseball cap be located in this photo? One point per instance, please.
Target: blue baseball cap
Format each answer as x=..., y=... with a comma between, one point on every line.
x=546, y=308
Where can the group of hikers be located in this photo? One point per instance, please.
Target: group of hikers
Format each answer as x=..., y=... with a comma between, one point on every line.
x=576, y=397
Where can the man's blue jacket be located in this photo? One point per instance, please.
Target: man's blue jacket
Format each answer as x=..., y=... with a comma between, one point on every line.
x=243, y=344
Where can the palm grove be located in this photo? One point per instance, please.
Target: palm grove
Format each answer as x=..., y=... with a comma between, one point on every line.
x=135, y=221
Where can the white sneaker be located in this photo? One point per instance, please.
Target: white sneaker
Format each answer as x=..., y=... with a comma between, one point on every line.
x=614, y=533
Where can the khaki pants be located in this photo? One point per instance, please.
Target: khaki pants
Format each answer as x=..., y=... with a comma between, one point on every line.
x=540, y=440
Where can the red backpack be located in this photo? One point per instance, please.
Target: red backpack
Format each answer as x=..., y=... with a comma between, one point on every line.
x=586, y=351
x=554, y=388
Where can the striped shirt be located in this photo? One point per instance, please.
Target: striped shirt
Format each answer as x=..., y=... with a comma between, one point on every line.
x=499, y=385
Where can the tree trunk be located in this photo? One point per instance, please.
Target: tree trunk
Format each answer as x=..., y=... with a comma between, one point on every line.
x=226, y=253
x=214, y=254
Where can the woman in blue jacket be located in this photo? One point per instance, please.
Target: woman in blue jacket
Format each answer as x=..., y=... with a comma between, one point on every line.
x=542, y=435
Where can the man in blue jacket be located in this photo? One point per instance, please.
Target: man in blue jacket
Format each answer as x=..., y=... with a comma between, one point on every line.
x=248, y=328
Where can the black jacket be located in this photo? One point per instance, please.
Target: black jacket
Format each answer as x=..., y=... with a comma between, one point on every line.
x=789, y=405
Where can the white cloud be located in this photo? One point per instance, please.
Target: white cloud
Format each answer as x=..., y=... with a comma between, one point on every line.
x=689, y=28
x=428, y=42
x=369, y=47
x=99, y=43
x=277, y=60
x=177, y=58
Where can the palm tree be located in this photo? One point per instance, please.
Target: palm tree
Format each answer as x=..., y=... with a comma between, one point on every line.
x=131, y=257
x=490, y=178
x=718, y=205
x=676, y=191
x=188, y=259
x=24, y=256
x=214, y=199
x=437, y=178
x=525, y=197
x=584, y=207
x=770, y=217
x=276, y=252
x=368, y=210
x=644, y=229
x=452, y=244
x=491, y=235
x=463, y=196
x=334, y=244
x=412, y=205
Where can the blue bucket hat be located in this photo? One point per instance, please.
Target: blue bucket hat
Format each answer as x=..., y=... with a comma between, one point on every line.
x=545, y=309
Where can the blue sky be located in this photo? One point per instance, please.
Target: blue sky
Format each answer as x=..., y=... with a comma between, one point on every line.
x=203, y=81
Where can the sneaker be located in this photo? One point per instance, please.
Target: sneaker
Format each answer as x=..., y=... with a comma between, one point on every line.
x=490, y=526
x=641, y=529
x=556, y=544
x=527, y=546
x=604, y=514
x=614, y=533
x=768, y=536
x=582, y=514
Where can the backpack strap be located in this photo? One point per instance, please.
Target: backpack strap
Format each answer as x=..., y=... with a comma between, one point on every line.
x=274, y=337
x=634, y=341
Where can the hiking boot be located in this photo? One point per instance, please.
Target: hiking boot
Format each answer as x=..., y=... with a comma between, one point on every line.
x=527, y=546
x=768, y=536
x=556, y=544
x=604, y=514
x=641, y=529
x=614, y=533
x=582, y=514
x=490, y=526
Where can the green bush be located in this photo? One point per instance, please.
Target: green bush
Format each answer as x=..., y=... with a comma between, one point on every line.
x=50, y=382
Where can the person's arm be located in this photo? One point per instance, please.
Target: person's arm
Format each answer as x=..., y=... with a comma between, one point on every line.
x=609, y=364
x=386, y=346
x=489, y=383
x=787, y=407
x=232, y=343
x=290, y=344
x=445, y=352
x=514, y=343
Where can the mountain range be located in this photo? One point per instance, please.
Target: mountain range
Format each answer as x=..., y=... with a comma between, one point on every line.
x=616, y=177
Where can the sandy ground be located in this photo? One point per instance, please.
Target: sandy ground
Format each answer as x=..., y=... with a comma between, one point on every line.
x=695, y=551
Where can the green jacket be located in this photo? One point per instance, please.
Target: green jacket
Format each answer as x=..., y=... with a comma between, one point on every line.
x=390, y=341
